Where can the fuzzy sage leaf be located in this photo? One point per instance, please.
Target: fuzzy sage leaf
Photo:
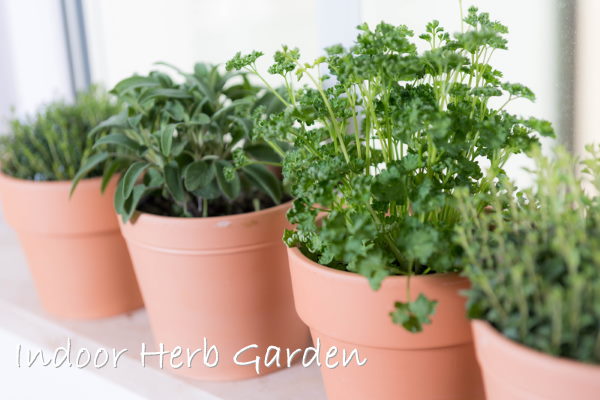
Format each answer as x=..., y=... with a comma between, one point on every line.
x=173, y=133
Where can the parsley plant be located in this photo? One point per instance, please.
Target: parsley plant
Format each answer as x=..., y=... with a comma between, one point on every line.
x=382, y=141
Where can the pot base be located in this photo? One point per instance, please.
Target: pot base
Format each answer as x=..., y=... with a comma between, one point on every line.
x=392, y=374
x=85, y=277
x=343, y=311
x=516, y=372
x=75, y=252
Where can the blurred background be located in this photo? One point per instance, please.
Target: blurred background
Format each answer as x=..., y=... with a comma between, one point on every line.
x=51, y=48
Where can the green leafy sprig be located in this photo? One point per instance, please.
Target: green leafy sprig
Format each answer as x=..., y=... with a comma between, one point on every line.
x=533, y=258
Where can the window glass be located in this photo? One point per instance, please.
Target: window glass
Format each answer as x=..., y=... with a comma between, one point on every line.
x=128, y=36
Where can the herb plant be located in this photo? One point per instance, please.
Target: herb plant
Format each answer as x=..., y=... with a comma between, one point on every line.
x=186, y=147
x=382, y=141
x=52, y=144
x=534, y=259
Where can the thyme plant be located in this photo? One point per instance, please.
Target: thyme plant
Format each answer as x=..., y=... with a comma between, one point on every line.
x=185, y=145
x=52, y=144
x=534, y=261
x=382, y=141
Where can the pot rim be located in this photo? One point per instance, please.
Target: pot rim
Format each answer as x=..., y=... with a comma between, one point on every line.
x=30, y=182
x=530, y=352
x=153, y=218
x=349, y=275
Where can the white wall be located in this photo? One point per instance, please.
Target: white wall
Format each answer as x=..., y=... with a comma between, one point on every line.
x=128, y=36
x=587, y=100
x=34, y=64
x=337, y=21
x=7, y=84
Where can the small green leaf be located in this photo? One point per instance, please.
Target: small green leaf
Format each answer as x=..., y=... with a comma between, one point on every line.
x=166, y=139
x=231, y=108
x=412, y=316
x=134, y=121
x=244, y=123
x=116, y=121
x=543, y=127
x=130, y=205
x=423, y=308
x=198, y=174
x=89, y=164
x=201, y=119
x=177, y=112
x=402, y=316
x=173, y=93
x=179, y=146
x=153, y=179
x=209, y=192
x=109, y=172
x=229, y=187
x=131, y=176
x=420, y=244
x=119, y=139
x=518, y=90
x=265, y=180
x=262, y=152
x=174, y=183
x=119, y=200
x=200, y=83
x=134, y=82
x=166, y=92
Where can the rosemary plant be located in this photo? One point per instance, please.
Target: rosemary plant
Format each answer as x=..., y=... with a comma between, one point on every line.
x=52, y=144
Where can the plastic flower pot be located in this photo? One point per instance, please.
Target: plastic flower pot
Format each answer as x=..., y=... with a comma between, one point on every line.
x=223, y=279
x=343, y=311
x=77, y=256
x=516, y=372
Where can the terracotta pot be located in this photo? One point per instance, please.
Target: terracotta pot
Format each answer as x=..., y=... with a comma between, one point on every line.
x=225, y=279
x=76, y=254
x=516, y=372
x=343, y=311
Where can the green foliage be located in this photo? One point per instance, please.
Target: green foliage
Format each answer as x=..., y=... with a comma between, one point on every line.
x=186, y=147
x=414, y=314
x=533, y=258
x=53, y=144
x=384, y=139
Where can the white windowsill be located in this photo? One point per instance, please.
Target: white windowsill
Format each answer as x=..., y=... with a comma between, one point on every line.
x=21, y=316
